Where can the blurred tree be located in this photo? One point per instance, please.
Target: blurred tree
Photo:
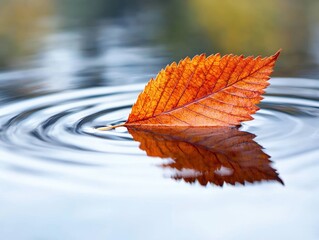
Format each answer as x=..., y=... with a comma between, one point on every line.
x=257, y=27
x=20, y=28
x=182, y=28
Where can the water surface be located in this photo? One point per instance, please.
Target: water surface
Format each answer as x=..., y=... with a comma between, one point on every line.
x=59, y=172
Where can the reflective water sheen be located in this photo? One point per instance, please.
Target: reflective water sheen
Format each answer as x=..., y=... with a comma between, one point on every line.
x=106, y=187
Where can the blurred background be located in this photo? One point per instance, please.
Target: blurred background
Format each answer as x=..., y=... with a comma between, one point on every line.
x=54, y=45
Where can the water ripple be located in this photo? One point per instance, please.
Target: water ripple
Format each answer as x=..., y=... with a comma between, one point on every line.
x=56, y=134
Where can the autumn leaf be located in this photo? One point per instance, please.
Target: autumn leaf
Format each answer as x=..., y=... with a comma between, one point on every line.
x=204, y=91
x=215, y=155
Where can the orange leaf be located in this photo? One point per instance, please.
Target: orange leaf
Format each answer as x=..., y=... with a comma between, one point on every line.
x=204, y=91
x=209, y=155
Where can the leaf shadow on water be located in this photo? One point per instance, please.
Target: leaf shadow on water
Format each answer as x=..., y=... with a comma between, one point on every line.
x=215, y=155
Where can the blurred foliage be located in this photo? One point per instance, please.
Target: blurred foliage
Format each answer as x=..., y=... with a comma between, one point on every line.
x=22, y=24
x=258, y=27
x=253, y=27
x=181, y=27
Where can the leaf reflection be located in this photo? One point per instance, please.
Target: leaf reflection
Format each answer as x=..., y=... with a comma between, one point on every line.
x=208, y=155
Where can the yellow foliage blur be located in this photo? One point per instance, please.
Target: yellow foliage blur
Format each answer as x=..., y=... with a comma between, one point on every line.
x=20, y=27
x=253, y=27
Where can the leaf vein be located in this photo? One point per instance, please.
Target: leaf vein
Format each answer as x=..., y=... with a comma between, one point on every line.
x=176, y=83
x=188, y=81
x=205, y=115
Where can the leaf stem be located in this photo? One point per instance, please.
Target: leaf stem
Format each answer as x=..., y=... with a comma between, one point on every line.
x=106, y=128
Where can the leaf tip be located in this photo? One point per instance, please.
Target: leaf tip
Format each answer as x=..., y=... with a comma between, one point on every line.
x=276, y=55
x=280, y=181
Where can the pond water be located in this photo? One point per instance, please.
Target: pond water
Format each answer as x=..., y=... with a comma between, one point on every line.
x=69, y=67
x=59, y=173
